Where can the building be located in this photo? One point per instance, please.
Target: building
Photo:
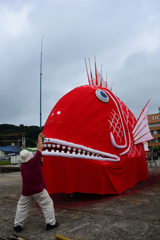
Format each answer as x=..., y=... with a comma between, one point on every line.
x=154, y=126
x=2, y=154
x=10, y=150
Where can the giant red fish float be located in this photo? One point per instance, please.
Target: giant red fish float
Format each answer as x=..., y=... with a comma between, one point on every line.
x=93, y=142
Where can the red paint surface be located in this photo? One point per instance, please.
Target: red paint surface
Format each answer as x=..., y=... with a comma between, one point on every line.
x=80, y=118
x=62, y=200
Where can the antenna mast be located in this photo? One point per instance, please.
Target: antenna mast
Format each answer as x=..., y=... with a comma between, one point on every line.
x=41, y=85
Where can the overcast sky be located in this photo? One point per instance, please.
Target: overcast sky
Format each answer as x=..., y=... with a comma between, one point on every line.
x=124, y=35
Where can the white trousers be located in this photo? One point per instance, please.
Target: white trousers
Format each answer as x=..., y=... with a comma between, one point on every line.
x=44, y=201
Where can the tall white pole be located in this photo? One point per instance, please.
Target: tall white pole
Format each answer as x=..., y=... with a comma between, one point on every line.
x=41, y=85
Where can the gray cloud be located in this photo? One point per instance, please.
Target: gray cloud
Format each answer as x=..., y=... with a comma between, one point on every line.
x=124, y=36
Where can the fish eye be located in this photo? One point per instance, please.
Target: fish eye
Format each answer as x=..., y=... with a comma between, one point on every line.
x=101, y=95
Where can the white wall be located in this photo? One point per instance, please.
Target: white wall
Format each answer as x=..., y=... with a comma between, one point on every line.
x=1, y=153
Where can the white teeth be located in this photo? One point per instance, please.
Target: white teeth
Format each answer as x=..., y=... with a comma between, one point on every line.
x=74, y=150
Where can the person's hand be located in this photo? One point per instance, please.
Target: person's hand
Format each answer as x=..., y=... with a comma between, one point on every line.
x=40, y=139
x=41, y=135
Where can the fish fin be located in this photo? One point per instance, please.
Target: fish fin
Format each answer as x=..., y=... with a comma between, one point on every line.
x=141, y=132
x=98, y=80
x=89, y=80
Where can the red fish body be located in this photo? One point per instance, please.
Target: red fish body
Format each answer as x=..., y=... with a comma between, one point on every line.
x=90, y=144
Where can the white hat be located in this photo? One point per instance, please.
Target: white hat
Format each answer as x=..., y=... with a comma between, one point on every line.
x=25, y=156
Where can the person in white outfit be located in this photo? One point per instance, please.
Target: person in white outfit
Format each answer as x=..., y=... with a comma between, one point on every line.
x=33, y=187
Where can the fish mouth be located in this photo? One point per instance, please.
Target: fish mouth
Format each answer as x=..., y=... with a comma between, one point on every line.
x=60, y=148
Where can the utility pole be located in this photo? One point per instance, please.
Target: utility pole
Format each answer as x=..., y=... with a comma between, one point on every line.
x=23, y=142
x=41, y=85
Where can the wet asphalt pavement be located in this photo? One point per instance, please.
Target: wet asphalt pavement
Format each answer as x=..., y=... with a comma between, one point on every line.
x=134, y=214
